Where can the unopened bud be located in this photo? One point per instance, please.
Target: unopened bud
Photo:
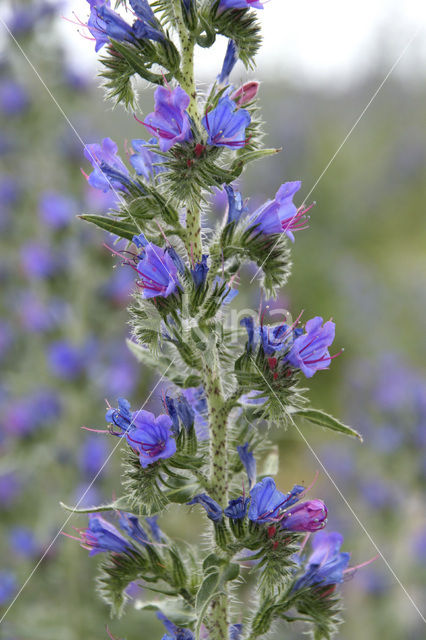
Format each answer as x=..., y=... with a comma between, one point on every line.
x=246, y=93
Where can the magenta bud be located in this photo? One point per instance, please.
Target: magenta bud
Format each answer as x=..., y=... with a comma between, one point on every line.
x=307, y=516
x=246, y=93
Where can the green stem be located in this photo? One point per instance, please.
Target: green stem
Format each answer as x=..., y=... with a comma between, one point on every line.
x=218, y=616
x=186, y=80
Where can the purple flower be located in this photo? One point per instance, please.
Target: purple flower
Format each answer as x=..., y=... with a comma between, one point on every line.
x=13, y=98
x=248, y=323
x=101, y=536
x=235, y=631
x=109, y=170
x=306, y=516
x=235, y=204
x=131, y=525
x=230, y=60
x=10, y=487
x=37, y=260
x=237, y=508
x=23, y=542
x=226, y=125
x=197, y=400
x=213, y=510
x=240, y=4
x=200, y=271
x=24, y=18
x=326, y=564
x=56, y=209
x=34, y=315
x=157, y=272
x=151, y=437
x=249, y=462
x=8, y=586
x=281, y=214
x=169, y=122
x=267, y=502
x=65, y=360
x=145, y=161
x=310, y=350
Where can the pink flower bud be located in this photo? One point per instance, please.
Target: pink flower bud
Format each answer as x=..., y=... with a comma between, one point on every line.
x=246, y=93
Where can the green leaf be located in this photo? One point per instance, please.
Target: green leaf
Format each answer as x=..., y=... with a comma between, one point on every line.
x=122, y=229
x=316, y=416
x=117, y=504
x=209, y=588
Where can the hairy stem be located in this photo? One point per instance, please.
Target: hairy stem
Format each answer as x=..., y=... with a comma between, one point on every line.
x=187, y=81
x=218, y=617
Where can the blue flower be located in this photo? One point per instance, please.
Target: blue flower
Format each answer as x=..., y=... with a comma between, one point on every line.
x=276, y=338
x=174, y=632
x=200, y=271
x=121, y=417
x=145, y=161
x=281, y=214
x=169, y=121
x=131, y=525
x=226, y=125
x=65, y=360
x=92, y=455
x=197, y=400
x=235, y=631
x=268, y=503
x=239, y=4
x=147, y=25
x=235, y=204
x=326, y=565
x=109, y=170
x=249, y=462
x=56, y=209
x=237, y=508
x=248, y=323
x=23, y=542
x=157, y=272
x=8, y=586
x=310, y=350
x=179, y=408
x=101, y=536
x=104, y=23
x=156, y=532
x=230, y=60
x=14, y=98
x=151, y=437
x=214, y=512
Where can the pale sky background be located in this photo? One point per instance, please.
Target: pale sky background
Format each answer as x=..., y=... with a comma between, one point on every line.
x=309, y=41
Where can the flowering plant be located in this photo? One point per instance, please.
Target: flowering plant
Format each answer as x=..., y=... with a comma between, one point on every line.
x=200, y=448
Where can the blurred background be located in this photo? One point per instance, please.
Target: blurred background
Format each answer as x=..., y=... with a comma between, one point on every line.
x=63, y=320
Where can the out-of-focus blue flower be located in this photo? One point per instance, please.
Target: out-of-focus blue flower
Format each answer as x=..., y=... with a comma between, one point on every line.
x=200, y=271
x=229, y=62
x=14, y=98
x=281, y=214
x=213, y=510
x=65, y=360
x=174, y=632
x=131, y=525
x=101, y=535
x=8, y=586
x=146, y=162
x=10, y=190
x=226, y=125
x=326, y=564
x=239, y=4
x=235, y=204
x=86, y=497
x=93, y=453
x=23, y=542
x=25, y=17
x=169, y=122
x=235, y=631
x=306, y=516
x=6, y=338
x=249, y=462
x=237, y=508
x=267, y=503
x=157, y=272
x=57, y=209
x=109, y=171
x=37, y=260
x=310, y=350
x=36, y=410
x=10, y=487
